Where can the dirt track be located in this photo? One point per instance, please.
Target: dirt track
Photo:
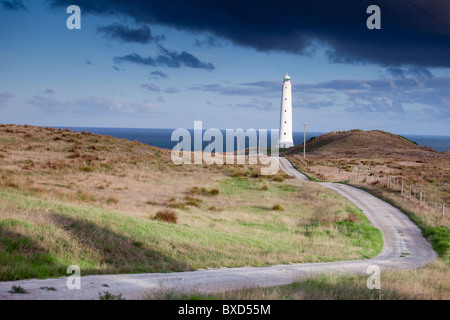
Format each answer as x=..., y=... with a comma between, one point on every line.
x=404, y=248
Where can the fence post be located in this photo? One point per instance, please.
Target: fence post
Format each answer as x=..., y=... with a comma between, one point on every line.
x=420, y=200
x=443, y=211
x=401, y=191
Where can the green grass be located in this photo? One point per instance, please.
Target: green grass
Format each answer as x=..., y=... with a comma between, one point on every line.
x=17, y=290
x=109, y=296
x=236, y=185
x=363, y=235
x=408, y=140
x=440, y=239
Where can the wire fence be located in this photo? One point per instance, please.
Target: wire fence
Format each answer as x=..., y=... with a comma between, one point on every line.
x=423, y=196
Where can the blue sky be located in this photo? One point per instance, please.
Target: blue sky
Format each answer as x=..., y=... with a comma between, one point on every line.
x=132, y=69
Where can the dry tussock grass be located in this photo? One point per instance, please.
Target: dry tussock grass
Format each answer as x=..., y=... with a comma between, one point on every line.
x=166, y=216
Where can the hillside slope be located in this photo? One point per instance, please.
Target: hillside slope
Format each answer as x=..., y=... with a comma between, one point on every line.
x=360, y=143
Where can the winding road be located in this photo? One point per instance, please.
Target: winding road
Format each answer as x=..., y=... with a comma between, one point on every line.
x=404, y=248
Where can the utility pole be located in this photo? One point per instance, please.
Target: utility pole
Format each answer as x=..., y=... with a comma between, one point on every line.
x=304, y=140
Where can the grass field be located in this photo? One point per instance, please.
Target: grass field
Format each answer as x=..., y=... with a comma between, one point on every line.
x=77, y=198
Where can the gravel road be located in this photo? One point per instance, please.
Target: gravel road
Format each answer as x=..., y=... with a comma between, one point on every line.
x=404, y=248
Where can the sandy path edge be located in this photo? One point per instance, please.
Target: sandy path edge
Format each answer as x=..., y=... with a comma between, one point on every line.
x=404, y=248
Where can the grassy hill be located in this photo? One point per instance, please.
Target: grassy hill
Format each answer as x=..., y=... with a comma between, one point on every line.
x=106, y=205
x=359, y=143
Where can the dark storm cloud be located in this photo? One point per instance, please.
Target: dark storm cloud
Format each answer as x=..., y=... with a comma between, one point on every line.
x=13, y=5
x=416, y=34
x=208, y=42
x=168, y=58
x=396, y=72
x=124, y=33
x=402, y=73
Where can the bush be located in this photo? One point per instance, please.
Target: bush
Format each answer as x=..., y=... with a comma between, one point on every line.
x=190, y=201
x=213, y=192
x=204, y=191
x=196, y=190
x=264, y=187
x=239, y=173
x=166, y=216
x=277, y=207
x=109, y=296
x=86, y=169
x=353, y=217
x=176, y=205
x=17, y=290
x=277, y=178
x=112, y=200
x=214, y=208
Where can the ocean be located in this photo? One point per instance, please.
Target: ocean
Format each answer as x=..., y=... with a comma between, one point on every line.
x=161, y=138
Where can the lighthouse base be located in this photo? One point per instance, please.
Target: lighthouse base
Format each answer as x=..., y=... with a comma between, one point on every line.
x=286, y=144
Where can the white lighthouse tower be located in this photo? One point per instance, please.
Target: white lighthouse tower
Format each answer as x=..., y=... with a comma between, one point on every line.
x=286, y=139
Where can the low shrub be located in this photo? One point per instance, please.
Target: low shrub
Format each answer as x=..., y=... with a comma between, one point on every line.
x=352, y=217
x=277, y=207
x=109, y=296
x=190, y=201
x=112, y=200
x=204, y=191
x=166, y=216
x=277, y=178
x=214, y=208
x=176, y=205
